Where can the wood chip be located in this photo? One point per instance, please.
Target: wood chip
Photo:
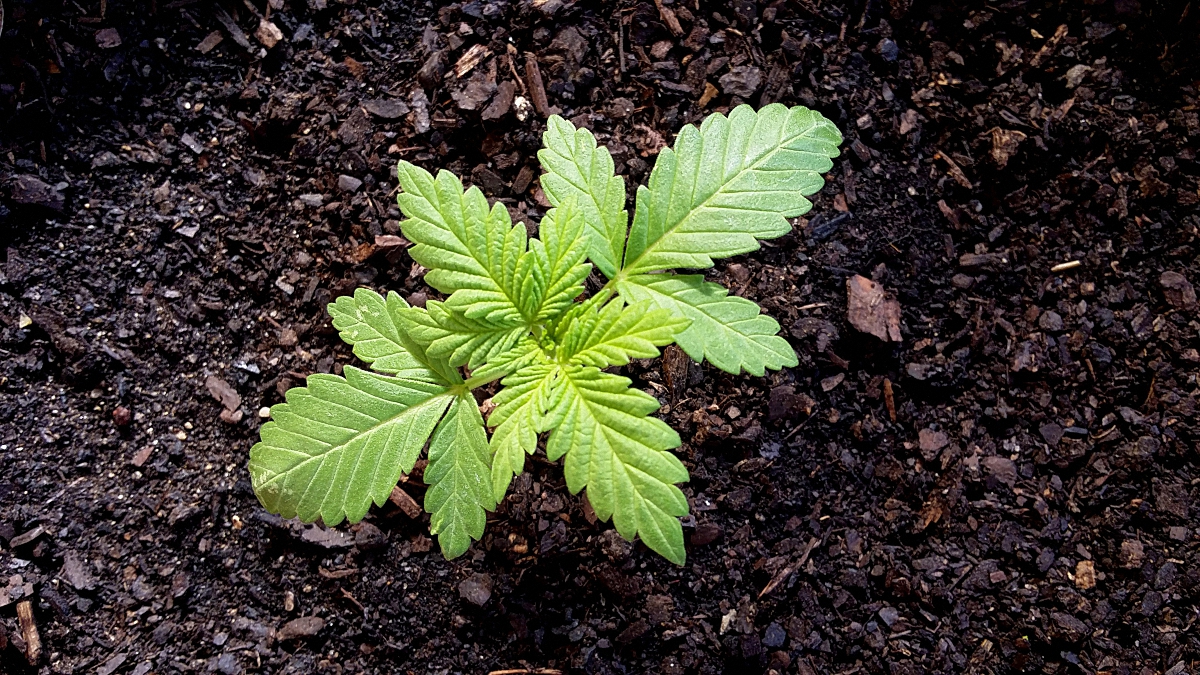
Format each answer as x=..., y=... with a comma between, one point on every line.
x=1085, y=575
x=668, y=16
x=29, y=632
x=956, y=172
x=1048, y=48
x=405, y=502
x=537, y=87
x=710, y=92
x=470, y=58
x=210, y=42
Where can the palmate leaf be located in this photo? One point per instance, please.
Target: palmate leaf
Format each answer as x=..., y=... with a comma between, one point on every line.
x=459, y=494
x=576, y=168
x=473, y=253
x=620, y=455
x=726, y=185
x=727, y=331
x=369, y=323
x=341, y=443
x=617, y=333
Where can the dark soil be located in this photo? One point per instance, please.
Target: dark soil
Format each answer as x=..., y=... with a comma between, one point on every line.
x=1009, y=488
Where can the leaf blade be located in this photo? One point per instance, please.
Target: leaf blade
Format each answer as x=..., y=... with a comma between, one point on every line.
x=617, y=333
x=621, y=456
x=727, y=331
x=577, y=168
x=724, y=186
x=314, y=457
x=459, y=495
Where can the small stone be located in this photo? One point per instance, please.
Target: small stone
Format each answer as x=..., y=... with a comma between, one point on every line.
x=1050, y=321
x=476, y=589
x=76, y=573
x=304, y=627
x=264, y=412
x=1003, y=468
x=872, y=310
x=268, y=33
x=108, y=38
x=741, y=81
x=889, y=615
x=1132, y=553
x=388, y=109
x=775, y=636
x=367, y=537
x=32, y=191
x=348, y=183
x=1179, y=533
x=311, y=200
x=705, y=534
x=1177, y=289
x=227, y=664
x=1052, y=432
x=889, y=50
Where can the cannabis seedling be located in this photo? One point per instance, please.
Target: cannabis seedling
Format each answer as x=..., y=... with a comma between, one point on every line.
x=513, y=313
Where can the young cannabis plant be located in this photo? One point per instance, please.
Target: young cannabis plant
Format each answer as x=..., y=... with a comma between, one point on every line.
x=513, y=313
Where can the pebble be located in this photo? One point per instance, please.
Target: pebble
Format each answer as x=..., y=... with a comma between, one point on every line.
x=305, y=626
x=348, y=183
x=476, y=589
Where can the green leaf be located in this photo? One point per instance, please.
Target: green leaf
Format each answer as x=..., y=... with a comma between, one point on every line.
x=473, y=253
x=726, y=330
x=621, y=456
x=341, y=443
x=460, y=493
x=618, y=332
x=458, y=340
x=576, y=168
x=369, y=323
x=726, y=185
x=562, y=250
x=518, y=418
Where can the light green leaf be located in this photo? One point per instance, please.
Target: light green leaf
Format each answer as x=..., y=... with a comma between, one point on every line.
x=518, y=418
x=474, y=253
x=341, y=443
x=525, y=352
x=618, y=332
x=621, y=456
x=576, y=168
x=726, y=185
x=458, y=340
x=368, y=322
x=460, y=493
x=561, y=250
x=726, y=330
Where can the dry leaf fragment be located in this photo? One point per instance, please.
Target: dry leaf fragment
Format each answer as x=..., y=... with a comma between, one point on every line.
x=871, y=310
x=1085, y=575
x=1004, y=144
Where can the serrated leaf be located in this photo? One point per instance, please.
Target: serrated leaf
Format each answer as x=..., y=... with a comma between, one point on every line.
x=473, y=252
x=458, y=475
x=368, y=322
x=620, y=455
x=451, y=336
x=522, y=354
x=518, y=418
x=576, y=168
x=562, y=250
x=727, y=331
x=341, y=443
x=619, y=332
x=726, y=185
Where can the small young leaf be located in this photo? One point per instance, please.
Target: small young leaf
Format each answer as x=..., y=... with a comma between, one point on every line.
x=726, y=330
x=367, y=322
x=726, y=185
x=518, y=418
x=576, y=168
x=618, y=332
x=341, y=443
x=472, y=252
x=562, y=250
x=621, y=456
x=459, y=492
x=458, y=340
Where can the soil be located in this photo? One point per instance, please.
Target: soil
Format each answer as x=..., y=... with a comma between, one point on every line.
x=1008, y=487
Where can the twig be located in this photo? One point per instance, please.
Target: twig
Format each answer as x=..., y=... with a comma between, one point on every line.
x=783, y=574
x=815, y=305
x=527, y=671
x=889, y=399
x=1063, y=267
x=537, y=88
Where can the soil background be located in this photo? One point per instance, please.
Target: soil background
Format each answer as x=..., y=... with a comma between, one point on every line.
x=1009, y=487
